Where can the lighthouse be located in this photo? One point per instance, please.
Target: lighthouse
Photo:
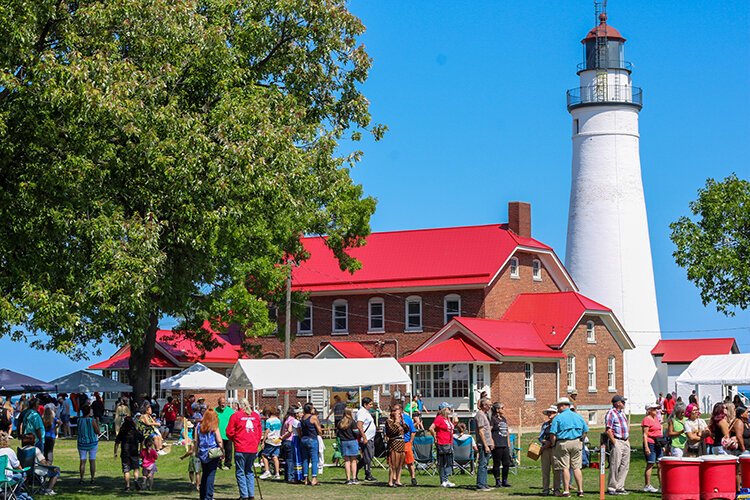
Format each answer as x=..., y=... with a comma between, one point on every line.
x=608, y=251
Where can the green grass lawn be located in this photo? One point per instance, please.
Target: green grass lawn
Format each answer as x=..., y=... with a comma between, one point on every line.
x=172, y=479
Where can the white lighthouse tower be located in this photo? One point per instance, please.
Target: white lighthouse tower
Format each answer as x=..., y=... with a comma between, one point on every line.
x=608, y=251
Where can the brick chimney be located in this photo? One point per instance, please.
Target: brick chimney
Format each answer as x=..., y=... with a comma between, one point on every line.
x=519, y=218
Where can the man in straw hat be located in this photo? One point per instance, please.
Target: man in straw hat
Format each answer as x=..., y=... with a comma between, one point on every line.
x=567, y=432
x=545, y=440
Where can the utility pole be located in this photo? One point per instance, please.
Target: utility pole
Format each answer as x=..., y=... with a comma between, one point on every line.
x=288, y=327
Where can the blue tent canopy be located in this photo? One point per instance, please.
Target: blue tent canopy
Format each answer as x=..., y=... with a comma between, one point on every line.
x=17, y=383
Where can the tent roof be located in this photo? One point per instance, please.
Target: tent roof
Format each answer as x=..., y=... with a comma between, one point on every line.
x=195, y=378
x=688, y=350
x=723, y=369
x=83, y=381
x=454, y=350
x=315, y=373
x=16, y=383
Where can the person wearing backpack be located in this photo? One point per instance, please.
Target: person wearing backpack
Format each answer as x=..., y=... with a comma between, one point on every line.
x=209, y=451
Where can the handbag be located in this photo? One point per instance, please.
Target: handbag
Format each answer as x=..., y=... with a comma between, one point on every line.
x=535, y=449
x=661, y=441
x=214, y=453
x=729, y=443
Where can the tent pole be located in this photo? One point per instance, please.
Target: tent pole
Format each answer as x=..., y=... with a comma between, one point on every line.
x=360, y=395
x=182, y=403
x=254, y=407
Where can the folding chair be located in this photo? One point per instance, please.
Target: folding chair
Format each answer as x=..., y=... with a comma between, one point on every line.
x=381, y=452
x=463, y=455
x=515, y=453
x=34, y=483
x=424, y=456
x=11, y=486
x=337, y=458
x=106, y=426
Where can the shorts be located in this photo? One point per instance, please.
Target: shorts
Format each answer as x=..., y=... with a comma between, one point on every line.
x=270, y=450
x=568, y=454
x=65, y=419
x=655, y=452
x=194, y=465
x=130, y=464
x=149, y=471
x=82, y=454
x=47, y=471
x=350, y=448
x=170, y=426
x=677, y=452
x=408, y=453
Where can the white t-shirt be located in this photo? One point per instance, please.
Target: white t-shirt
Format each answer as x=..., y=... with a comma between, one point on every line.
x=697, y=425
x=368, y=424
x=12, y=461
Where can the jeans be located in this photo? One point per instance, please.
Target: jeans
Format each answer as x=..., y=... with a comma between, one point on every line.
x=368, y=451
x=309, y=456
x=288, y=453
x=243, y=471
x=501, y=456
x=445, y=461
x=484, y=458
x=208, y=470
x=227, y=444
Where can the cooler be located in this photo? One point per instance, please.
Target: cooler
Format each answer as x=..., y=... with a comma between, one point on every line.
x=745, y=469
x=680, y=478
x=718, y=476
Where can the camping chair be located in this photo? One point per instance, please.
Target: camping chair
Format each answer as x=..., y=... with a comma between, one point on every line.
x=463, y=455
x=337, y=457
x=106, y=425
x=11, y=486
x=515, y=452
x=34, y=483
x=424, y=457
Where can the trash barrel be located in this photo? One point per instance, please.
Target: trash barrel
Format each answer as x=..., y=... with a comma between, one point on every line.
x=718, y=476
x=680, y=478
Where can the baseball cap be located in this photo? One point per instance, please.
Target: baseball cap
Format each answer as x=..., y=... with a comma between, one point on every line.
x=551, y=409
x=617, y=398
x=652, y=406
x=444, y=405
x=573, y=392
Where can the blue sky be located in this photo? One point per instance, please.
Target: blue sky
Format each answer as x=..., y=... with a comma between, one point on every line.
x=474, y=96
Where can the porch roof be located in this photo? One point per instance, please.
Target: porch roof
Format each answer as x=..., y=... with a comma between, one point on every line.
x=121, y=361
x=454, y=350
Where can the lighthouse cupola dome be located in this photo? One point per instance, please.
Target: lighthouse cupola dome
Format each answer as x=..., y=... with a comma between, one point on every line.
x=603, y=48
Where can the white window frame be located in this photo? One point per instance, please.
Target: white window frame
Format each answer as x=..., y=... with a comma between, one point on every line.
x=536, y=269
x=453, y=297
x=591, y=366
x=514, y=268
x=590, y=332
x=611, y=374
x=411, y=300
x=424, y=380
x=571, y=372
x=306, y=333
x=337, y=304
x=375, y=300
x=528, y=382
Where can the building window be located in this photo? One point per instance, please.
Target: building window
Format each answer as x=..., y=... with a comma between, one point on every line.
x=273, y=317
x=611, y=380
x=590, y=332
x=414, y=314
x=304, y=326
x=340, y=316
x=451, y=307
x=514, y=270
x=480, y=376
x=528, y=381
x=571, y=372
x=376, y=315
x=576, y=127
x=442, y=381
x=592, y=373
x=592, y=418
x=536, y=267
x=423, y=380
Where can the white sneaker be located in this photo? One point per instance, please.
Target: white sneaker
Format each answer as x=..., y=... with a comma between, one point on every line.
x=444, y=484
x=265, y=475
x=277, y=477
x=650, y=489
x=449, y=484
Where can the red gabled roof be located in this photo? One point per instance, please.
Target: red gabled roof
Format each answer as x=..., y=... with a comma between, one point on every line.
x=687, y=350
x=553, y=315
x=509, y=338
x=351, y=350
x=454, y=350
x=120, y=361
x=451, y=256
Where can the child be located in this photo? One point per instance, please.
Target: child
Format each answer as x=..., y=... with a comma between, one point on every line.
x=463, y=436
x=272, y=440
x=149, y=455
x=194, y=465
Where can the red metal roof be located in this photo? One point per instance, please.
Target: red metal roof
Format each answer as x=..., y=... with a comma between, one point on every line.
x=553, y=315
x=603, y=29
x=120, y=362
x=351, y=350
x=509, y=338
x=451, y=256
x=454, y=350
x=687, y=350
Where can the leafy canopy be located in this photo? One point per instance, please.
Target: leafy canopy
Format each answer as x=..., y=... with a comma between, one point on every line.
x=715, y=248
x=163, y=157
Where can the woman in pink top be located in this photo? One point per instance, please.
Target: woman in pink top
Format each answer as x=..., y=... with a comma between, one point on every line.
x=653, y=437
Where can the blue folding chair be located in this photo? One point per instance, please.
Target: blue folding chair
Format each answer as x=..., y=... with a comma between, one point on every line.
x=463, y=455
x=515, y=451
x=423, y=447
x=11, y=485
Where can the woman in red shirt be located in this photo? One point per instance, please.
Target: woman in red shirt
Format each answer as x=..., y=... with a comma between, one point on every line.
x=653, y=435
x=442, y=430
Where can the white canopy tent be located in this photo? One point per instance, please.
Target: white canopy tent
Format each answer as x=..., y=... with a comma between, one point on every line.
x=256, y=374
x=198, y=377
x=720, y=369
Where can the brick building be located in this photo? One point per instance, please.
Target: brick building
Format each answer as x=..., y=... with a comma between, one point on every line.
x=465, y=309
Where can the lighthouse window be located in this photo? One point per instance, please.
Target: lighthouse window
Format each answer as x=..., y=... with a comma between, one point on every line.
x=576, y=127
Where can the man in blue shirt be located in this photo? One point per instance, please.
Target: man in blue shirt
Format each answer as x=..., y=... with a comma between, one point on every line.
x=566, y=434
x=408, y=450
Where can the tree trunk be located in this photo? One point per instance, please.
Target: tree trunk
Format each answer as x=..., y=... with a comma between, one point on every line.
x=139, y=368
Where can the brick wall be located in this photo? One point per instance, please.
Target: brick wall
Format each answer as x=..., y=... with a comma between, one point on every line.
x=505, y=289
x=508, y=388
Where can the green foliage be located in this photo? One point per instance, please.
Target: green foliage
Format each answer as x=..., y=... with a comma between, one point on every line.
x=163, y=158
x=715, y=248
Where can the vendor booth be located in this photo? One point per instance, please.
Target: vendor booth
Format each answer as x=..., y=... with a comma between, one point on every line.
x=718, y=376
x=195, y=379
x=83, y=381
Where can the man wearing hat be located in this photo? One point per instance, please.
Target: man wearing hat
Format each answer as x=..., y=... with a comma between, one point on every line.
x=546, y=442
x=618, y=432
x=567, y=432
x=572, y=395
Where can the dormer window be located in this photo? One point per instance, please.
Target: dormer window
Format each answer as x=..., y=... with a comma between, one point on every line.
x=536, y=270
x=514, y=268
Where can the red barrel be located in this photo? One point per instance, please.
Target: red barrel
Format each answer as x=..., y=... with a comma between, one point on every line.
x=745, y=469
x=680, y=478
x=718, y=477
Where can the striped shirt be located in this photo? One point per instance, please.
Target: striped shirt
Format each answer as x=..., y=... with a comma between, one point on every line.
x=618, y=422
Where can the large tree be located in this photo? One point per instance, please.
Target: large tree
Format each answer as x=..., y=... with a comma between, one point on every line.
x=715, y=247
x=161, y=158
